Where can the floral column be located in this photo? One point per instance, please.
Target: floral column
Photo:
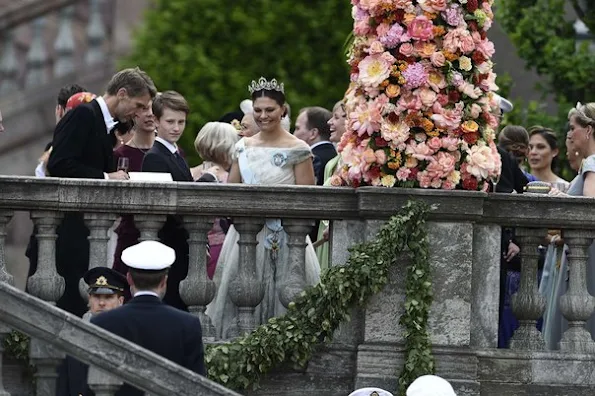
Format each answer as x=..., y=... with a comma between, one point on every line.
x=420, y=105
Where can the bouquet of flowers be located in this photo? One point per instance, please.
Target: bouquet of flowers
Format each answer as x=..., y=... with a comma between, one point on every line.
x=420, y=108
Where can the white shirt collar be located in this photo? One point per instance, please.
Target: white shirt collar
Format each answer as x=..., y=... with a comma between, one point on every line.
x=146, y=293
x=320, y=143
x=109, y=121
x=171, y=147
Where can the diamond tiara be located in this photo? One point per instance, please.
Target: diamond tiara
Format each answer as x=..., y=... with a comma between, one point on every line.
x=263, y=84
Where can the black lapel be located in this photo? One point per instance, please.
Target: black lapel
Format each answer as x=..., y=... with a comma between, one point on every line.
x=178, y=173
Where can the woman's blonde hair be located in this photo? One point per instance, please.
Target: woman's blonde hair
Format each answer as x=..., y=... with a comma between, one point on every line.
x=215, y=142
x=584, y=114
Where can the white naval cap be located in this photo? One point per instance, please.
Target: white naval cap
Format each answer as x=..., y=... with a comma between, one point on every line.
x=149, y=256
x=506, y=105
x=370, y=392
x=430, y=385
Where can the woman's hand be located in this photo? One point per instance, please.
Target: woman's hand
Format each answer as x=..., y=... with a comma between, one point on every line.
x=325, y=234
x=554, y=192
x=513, y=250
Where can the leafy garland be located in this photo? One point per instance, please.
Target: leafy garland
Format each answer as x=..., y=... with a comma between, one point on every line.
x=319, y=310
x=16, y=346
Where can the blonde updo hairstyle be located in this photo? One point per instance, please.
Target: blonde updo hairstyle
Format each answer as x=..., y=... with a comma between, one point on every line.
x=215, y=143
x=584, y=114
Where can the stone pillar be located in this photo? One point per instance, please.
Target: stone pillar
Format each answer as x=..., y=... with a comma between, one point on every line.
x=527, y=303
x=5, y=277
x=577, y=304
x=485, y=285
x=246, y=290
x=102, y=383
x=46, y=359
x=47, y=285
x=197, y=290
x=149, y=226
x=99, y=225
x=295, y=275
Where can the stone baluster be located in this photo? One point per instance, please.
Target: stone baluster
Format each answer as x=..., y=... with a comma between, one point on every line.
x=577, y=304
x=95, y=34
x=5, y=277
x=64, y=44
x=197, y=290
x=295, y=276
x=149, y=226
x=37, y=56
x=99, y=225
x=9, y=66
x=47, y=285
x=246, y=289
x=102, y=383
x=527, y=303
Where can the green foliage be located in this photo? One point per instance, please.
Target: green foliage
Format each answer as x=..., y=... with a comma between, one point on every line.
x=210, y=50
x=317, y=313
x=16, y=346
x=544, y=36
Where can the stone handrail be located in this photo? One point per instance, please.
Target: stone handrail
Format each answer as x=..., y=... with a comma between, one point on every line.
x=465, y=255
x=306, y=202
x=95, y=346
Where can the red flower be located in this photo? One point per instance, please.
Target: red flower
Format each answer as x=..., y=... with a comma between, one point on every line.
x=477, y=57
x=470, y=183
x=393, y=118
x=374, y=172
x=471, y=138
x=454, y=96
x=472, y=5
x=380, y=142
x=413, y=173
x=473, y=26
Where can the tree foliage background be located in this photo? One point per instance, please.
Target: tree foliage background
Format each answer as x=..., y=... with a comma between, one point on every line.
x=543, y=33
x=210, y=50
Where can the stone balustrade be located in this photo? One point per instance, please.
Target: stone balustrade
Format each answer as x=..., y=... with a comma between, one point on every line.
x=464, y=232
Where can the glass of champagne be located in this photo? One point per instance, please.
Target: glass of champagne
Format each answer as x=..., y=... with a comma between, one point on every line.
x=123, y=164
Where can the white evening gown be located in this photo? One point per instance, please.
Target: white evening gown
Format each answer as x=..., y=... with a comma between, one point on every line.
x=266, y=166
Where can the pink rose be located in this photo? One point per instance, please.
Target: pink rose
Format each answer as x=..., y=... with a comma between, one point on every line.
x=442, y=100
x=421, y=28
x=382, y=29
x=480, y=161
x=406, y=49
x=403, y=173
x=420, y=137
x=459, y=38
x=432, y=5
x=424, y=180
x=450, y=143
x=434, y=143
x=436, y=183
x=448, y=185
x=450, y=118
x=368, y=156
x=361, y=28
x=409, y=101
x=375, y=48
x=438, y=59
x=427, y=96
x=486, y=48
x=475, y=110
x=380, y=157
x=419, y=151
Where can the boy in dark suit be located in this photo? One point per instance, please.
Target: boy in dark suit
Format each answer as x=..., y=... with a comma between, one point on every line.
x=83, y=148
x=170, y=110
x=146, y=321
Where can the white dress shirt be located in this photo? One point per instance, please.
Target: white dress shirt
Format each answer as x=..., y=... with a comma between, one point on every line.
x=170, y=146
x=109, y=121
x=146, y=293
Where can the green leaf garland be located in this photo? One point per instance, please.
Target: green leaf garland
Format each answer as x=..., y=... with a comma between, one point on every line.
x=319, y=310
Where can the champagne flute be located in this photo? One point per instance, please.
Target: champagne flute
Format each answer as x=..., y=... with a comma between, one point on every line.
x=123, y=164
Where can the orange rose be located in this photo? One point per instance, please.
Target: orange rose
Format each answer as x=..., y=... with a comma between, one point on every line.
x=427, y=125
x=393, y=165
x=392, y=91
x=450, y=56
x=408, y=18
x=439, y=30
x=425, y=50
x=469, y=126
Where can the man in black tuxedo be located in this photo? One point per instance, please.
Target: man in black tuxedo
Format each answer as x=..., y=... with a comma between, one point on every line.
x=312, y=127
x=83, y=148
x=148, y=322
x=170, y=110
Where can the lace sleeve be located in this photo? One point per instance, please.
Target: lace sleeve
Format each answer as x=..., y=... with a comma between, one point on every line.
x=298, y=155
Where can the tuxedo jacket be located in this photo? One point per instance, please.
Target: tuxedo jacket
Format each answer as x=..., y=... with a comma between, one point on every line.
x=81, y=147
x=322, y=154
x=169, y=332
x=173, y=234
x=160, y=159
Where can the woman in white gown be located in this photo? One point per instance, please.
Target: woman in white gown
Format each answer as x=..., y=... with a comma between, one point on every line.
x=271, y=157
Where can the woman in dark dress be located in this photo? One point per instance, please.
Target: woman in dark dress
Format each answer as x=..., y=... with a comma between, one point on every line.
x=134, y=150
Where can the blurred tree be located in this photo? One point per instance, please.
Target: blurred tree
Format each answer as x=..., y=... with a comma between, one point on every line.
x=545, y=38
x=210, y=50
